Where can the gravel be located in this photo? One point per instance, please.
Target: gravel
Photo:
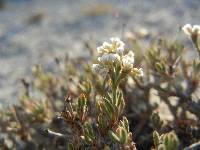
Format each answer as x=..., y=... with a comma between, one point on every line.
x=35, y=31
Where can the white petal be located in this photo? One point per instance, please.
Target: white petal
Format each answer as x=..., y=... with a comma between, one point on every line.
x=130, y=54
x=120, y=50
x=127, y=65
x=129, y=57
x=187, y=29
x=109, y=58
x=106, y=45
x=115, y=39
x=96, y=68
x=138, y=72
x=196, y=29
x=120, y=44
x=100, y=49
x=141, y=72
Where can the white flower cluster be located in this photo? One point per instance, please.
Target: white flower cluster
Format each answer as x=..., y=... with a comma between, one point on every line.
x=116, y=46
x=191, y=30
x=113, y=52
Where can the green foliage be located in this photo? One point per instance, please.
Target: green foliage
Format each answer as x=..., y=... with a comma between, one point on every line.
x=167, y=141
x=113, y=110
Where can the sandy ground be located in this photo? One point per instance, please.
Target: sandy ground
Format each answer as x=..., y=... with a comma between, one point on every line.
x=63, y=25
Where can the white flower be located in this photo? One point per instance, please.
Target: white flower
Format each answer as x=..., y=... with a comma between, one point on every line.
x=113, y=52
x=128, y=60
x=141, y=73
x=105, y=48
x=128, y=57
x=106, y=45
x=116, y=45
x=109, y=58
x=116, y=41
x=196, y=29
x=131, y=55
x=191, y=30
x=187, y=29
x=127, y=65
x=96, y=68
x=100, y=49
x=137, y=72
x=120, y=50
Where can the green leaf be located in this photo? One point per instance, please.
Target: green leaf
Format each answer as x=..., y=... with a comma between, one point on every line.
x=113, y=136
x=171, y=141
x=126, y=124
x=102, y=122
x=110, y=106
x=106, y=111
x=167, y=143
x=156, y=138
x=160, y=67
x=119, y=98
x=123, y=136
x=88, y=140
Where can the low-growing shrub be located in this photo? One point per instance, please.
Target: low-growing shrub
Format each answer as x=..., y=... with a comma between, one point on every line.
x=112, y=104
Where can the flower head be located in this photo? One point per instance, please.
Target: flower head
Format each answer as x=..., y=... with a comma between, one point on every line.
x=96, y=67
x=116, y=45
x=128, y=60
x=109, y=58
x=112, y=54
x=99, y=69
x=137, y=72
x=191, y=30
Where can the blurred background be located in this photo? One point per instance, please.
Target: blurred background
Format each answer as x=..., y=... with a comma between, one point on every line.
x=35, y=31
